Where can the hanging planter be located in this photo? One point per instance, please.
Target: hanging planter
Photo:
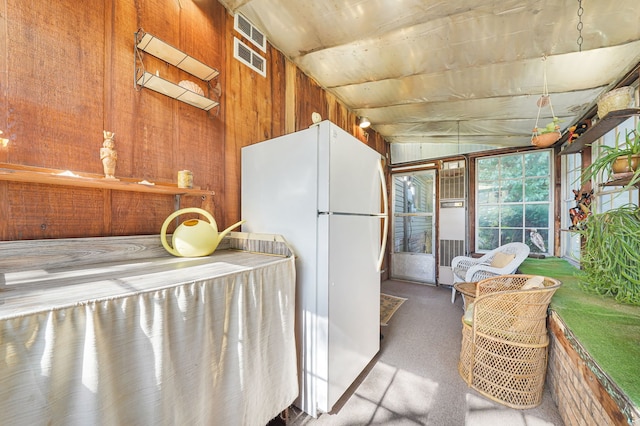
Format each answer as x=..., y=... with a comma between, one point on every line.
x=544, y=140
x=543, y=137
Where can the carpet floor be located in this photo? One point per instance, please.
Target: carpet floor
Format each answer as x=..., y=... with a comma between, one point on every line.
x=414, y=378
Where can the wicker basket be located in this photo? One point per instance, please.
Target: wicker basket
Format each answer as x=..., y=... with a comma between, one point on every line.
x=504, y=352
x=614, y=100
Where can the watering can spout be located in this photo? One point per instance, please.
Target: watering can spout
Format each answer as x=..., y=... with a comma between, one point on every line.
x=226, y=231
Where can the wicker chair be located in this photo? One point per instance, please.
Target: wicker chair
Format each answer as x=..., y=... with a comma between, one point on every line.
x=504, y=346
x=470, y=269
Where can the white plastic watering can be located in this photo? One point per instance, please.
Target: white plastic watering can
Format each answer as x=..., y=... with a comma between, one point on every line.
x=193, y=237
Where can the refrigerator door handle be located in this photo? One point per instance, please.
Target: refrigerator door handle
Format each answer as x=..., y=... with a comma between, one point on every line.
x=385, y=215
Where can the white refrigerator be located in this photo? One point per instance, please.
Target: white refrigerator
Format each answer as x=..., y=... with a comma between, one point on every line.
x=321, y=189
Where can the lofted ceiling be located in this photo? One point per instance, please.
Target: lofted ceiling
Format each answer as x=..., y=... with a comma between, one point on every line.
x=438, y=78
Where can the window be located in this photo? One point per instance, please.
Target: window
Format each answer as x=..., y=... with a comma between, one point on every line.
x=413, y=212
x=514, y=200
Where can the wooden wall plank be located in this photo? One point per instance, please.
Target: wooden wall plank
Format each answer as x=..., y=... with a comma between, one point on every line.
x=55, y=80
x=4, y=211
x=4, y=99
x=49, y=211
x=310, y=98
x=130, y=209
x=255, y=111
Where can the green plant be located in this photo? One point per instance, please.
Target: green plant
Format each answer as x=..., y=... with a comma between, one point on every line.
x=608, y=155
x=610, y=256
x=552, y=126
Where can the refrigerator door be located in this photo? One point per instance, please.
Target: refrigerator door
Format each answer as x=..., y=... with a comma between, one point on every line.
x=348, y=180
x=349, y=302
x=279, y=195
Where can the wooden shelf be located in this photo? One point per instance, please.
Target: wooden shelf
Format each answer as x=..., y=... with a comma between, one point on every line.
x=39, y=175
x=598, y=130
x=620, y=182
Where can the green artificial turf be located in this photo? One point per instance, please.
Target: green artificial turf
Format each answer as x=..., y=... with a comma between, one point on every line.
x=608, y=330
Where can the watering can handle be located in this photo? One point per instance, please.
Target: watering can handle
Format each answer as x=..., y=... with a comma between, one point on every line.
x=167, y=221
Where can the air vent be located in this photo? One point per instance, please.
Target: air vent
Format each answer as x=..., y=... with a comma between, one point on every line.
x=249, y=57
x=450, y=249
x=452, y=181
x=254, y=35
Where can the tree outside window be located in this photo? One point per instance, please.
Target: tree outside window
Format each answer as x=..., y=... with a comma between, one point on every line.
x=514, y=200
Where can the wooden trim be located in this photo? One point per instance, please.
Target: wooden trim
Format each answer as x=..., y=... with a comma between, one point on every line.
x=107, y=208
x=4, y=211
x=108, y=81
x=4, y=78
x=290, y=97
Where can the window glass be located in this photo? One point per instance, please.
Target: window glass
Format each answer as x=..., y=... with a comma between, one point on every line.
x=514, y=200
x=536, y=189
x=511, y=191
x=511, y=216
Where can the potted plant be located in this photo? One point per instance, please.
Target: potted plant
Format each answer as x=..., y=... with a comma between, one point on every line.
x=610, y=254
x=619, y=161
x=547, y=135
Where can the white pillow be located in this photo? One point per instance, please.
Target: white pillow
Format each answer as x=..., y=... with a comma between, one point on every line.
x=534, y=282
x=500, y=260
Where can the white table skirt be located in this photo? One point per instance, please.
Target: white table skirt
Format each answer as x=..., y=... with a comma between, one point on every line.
x=216, y=349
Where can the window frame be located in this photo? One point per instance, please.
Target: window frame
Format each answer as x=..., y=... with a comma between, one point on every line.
x=550, y=229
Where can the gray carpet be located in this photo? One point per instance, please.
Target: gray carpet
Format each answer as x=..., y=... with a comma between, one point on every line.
x=414, y=379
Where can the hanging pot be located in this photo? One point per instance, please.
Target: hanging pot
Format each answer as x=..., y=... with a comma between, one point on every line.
x=545, y=140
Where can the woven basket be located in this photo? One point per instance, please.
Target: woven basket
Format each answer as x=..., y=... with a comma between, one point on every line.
x=614, y=100
x=504, y=353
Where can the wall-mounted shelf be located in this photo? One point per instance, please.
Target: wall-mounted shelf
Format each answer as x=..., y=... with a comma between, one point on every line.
x=145, y=42
x=599, y=129
x=39, y=175
x=172, y=90
x=620, y=182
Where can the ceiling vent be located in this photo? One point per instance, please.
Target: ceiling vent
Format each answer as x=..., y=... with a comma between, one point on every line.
x=249, y=57
x=254, y=35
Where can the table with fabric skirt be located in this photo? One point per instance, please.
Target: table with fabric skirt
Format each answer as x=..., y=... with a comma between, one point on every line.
x=166, y=341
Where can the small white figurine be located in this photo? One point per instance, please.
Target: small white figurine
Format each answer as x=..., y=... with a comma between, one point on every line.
x=108, y=155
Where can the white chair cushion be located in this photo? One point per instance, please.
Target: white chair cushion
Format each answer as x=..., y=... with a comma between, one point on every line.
x=500, y=260
x=533, y=282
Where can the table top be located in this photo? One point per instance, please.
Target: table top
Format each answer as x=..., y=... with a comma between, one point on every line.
x=42, y=289
x=468, y=289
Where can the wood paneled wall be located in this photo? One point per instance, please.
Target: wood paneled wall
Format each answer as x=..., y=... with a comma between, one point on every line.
x=68, y=75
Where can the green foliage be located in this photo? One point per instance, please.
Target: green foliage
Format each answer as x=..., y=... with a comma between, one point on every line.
x=552, y=126
x=608, y=155
x=610, y=256
x=513, y=198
